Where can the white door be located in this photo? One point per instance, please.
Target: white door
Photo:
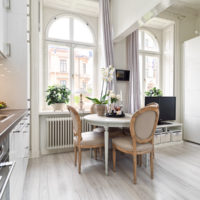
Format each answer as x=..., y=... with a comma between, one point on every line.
x=191, y=104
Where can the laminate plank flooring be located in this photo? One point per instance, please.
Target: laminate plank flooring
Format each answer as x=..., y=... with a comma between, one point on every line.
x=176, y=176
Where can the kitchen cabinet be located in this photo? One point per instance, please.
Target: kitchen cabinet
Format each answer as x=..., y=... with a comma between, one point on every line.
x=19, y=152
x=4, y=30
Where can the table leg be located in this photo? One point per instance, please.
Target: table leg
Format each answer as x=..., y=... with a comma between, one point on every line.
x=90, y=152
x=106, y=138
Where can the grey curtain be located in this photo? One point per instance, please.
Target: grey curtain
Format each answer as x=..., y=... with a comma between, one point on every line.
x=133, y=65
x=107, y=36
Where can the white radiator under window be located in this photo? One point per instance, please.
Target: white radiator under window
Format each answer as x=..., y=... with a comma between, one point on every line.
x=60, y=132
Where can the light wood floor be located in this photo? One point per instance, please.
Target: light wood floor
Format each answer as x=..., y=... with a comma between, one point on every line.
x=177, y=176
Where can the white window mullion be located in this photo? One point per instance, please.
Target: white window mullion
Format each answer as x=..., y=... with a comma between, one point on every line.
x=72, y=73
x=71, y=29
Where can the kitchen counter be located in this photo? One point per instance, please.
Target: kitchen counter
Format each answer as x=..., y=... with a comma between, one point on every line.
x=14, y=116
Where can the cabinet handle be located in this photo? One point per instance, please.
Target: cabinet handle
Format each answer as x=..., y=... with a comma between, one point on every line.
x=16, y=131
x=27, y=147
x=2, y=151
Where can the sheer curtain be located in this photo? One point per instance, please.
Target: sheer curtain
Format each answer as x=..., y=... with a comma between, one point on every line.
x=107, y=37
x=133, y=65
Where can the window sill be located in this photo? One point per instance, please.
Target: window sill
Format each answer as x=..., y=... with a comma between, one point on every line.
x=65, y=112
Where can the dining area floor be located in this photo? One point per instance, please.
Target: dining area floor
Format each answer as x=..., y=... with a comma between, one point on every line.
x=176, y=176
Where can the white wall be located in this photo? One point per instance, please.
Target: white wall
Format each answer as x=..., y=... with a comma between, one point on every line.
x=168, y=61
x=13, y=70
x=126, y=13
x=120, y=58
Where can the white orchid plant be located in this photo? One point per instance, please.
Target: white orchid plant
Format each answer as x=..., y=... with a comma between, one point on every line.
x=107, y=75
x=113, y=98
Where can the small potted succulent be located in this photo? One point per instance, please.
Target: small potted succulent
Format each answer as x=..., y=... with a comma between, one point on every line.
x=57, y=97
x=154, y=92
x=2, y=105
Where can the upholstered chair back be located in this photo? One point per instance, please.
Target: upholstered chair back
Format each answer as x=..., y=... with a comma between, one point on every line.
x=143, y=124
x=76, y=121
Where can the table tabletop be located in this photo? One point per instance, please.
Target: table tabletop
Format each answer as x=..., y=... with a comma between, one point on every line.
x=94, y=119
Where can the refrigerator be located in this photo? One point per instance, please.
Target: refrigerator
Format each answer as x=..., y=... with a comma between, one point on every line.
x=191, y=90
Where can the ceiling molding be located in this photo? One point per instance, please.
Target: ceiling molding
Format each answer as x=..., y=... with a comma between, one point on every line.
x=86, y=7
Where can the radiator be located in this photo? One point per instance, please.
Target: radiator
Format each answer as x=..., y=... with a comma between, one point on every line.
x=60, y=132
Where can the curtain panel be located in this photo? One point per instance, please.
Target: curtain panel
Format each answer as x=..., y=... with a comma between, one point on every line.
x=133, y=65
x=107, y=37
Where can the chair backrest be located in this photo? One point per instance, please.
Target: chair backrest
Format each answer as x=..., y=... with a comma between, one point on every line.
x=93, y=109
x=153, y=104
x=76, y=122
x=143, y=125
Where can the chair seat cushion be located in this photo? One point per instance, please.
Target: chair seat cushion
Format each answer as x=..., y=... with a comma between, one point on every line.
x=126, y=144
x=90, y=139
x=99, y=130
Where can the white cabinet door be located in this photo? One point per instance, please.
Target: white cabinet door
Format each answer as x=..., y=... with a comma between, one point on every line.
x=192, y=90
x=19, y=152
x=3, y=28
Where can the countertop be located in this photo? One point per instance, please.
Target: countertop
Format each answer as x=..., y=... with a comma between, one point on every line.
x=15, y=116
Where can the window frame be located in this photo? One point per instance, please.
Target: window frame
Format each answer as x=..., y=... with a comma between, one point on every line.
x=71, y=44
x=144, y=53
x=71, y=17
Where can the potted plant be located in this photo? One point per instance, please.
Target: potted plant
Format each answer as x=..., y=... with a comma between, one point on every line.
x=2, y=105
x=154, y=92
x=102, y=101
x=57, y=96
x=100, y=104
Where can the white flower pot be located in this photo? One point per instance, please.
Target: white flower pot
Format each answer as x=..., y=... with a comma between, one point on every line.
x=59, y=106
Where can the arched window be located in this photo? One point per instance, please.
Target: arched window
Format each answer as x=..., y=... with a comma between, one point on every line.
x=70, y=56
x=149, y=61
x=147, y=41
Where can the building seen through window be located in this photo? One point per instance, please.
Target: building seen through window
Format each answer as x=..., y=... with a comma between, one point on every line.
x=71, y=57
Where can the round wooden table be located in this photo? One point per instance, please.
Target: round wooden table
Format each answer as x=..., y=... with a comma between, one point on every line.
x=106, y=122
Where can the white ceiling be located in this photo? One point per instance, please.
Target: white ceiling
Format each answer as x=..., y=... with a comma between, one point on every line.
x=195, y=4
x=86, y=7
x=158, y=23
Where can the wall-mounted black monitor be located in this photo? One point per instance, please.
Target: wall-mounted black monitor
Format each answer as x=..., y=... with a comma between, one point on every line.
x=122, y=75
x=167, y=107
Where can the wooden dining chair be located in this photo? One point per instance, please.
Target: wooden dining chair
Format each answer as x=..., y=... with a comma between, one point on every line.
x=83, y=140
x=153, y=104
x=127, y=130
x=142, y=127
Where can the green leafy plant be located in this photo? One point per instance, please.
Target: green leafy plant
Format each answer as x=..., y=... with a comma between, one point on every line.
x=57, y=94
x=154, y=92
x=102, y=100
x=2, y=105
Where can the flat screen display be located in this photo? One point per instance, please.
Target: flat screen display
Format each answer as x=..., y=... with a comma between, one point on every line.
x=167, y=107
x=122, y=75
